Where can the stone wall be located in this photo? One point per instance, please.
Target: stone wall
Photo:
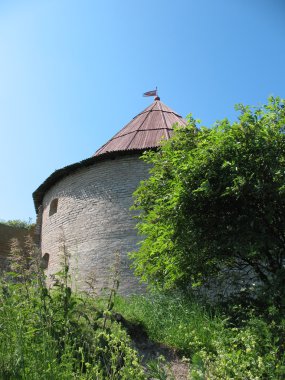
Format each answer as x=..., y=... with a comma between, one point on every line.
x=6, y=234
x=94, y=223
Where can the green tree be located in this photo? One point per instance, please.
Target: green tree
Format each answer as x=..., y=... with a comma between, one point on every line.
x=215, y=202
x=18, y=223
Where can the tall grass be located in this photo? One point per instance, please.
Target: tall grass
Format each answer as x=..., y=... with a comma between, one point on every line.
x=173, y=320
x=218, y=349
x=54, y=333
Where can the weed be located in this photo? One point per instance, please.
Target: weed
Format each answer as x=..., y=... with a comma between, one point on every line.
x=55, y=333
x=158, y=369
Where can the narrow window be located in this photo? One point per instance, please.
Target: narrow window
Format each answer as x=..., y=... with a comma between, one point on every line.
x=45, y=261
x=53, y=206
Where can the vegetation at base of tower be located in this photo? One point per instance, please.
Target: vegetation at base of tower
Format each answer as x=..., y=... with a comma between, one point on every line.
x=233, y=343
x=213, y=208
x=55, y=333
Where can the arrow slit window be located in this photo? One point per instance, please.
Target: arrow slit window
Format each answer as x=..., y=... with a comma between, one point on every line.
x=53, y=206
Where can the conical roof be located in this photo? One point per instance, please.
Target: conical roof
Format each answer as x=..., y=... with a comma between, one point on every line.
x=146, y=130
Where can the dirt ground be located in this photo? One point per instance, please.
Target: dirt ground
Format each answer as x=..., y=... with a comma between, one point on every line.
x=156, y=358
x=177, y=368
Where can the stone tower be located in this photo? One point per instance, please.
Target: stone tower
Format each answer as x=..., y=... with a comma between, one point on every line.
x=87, y=204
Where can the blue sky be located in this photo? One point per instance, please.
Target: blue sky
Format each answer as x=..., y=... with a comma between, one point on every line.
x=72, y=74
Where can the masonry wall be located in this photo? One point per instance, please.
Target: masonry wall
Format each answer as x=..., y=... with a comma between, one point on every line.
x=94, y=223
x=6, y=234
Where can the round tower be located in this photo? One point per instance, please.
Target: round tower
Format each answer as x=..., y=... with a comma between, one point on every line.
x=86, y=206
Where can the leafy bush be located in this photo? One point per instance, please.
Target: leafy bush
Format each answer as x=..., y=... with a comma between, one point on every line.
x=250, y=352
x=215, y=202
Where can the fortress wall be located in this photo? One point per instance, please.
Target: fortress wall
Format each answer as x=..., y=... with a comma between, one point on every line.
x=6, y=234
x=94, y=221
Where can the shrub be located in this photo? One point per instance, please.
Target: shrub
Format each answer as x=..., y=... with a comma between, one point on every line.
x=215, y=203
x=250, y=352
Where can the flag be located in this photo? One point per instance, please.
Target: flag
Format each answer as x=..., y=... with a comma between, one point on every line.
x=150, y=93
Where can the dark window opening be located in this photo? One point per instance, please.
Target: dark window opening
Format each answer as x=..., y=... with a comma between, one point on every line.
x=45, y=261
x=53, y=206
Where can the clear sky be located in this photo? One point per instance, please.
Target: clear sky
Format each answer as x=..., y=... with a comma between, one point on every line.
x=72, y=74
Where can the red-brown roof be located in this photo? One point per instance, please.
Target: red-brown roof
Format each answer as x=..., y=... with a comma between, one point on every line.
x=146, y=130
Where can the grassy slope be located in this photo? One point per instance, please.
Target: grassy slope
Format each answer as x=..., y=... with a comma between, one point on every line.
x=219, y=349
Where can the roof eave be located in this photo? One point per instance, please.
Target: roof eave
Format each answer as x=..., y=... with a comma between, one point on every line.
x=58, y=174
